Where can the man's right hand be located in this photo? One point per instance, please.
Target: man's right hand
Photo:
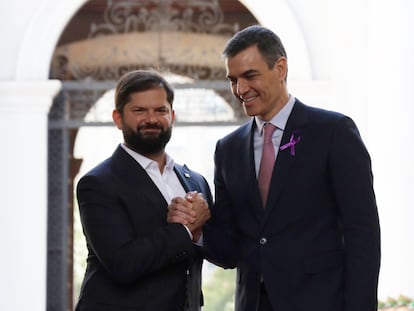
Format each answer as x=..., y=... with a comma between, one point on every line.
x=191, y=211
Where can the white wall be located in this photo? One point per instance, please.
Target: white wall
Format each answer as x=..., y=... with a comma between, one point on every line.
x=390, y=129
x=23, y=220
x=28, y=33
x=354, y=56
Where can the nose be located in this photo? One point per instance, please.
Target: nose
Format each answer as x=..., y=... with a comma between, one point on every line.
x=242, y=87
x=151, y=117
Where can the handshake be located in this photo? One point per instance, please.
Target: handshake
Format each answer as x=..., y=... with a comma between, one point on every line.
x=191, y=211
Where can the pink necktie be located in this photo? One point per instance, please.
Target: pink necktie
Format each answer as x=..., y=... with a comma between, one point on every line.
x=267, y=162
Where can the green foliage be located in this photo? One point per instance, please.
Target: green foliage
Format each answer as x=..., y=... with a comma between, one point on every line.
x=401, y=304
x=218, y=289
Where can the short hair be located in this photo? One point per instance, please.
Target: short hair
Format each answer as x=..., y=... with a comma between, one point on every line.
x=268, y=43
x=140, y=81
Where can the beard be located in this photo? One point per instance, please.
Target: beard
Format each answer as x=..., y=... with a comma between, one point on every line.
x=146, y=144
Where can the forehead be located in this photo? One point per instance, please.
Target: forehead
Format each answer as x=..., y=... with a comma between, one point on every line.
x=248, y=59
x=151, y=97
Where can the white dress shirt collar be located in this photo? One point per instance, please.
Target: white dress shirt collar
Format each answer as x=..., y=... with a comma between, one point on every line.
x=147, y=162
x=280, y=119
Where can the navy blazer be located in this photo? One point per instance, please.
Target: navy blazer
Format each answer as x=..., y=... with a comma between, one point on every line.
x=316, y=244
x=136, y=260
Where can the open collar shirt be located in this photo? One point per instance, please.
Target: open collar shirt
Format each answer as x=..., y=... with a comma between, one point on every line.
x=167, y=181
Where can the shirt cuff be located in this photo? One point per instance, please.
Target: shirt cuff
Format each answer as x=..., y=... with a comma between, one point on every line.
x=200, y=240
x=189, y=232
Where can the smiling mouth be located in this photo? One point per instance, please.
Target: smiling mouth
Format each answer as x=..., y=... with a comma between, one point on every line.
x=150, y=130
x=249, y=99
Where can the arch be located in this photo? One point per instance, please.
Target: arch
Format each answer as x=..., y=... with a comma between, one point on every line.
x=39, y=43
x=65, y=118
x=41, y=36
x=283, y=22
x=50, y=26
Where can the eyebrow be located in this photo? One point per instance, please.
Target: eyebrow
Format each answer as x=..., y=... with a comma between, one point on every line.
x=244, y=74
x=230, y=77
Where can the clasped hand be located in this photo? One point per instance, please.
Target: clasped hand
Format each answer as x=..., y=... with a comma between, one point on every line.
x=191, y=211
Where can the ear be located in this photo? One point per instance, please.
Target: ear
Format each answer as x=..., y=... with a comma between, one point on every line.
x=117, y=118
x=281, y=67
x=172, y=116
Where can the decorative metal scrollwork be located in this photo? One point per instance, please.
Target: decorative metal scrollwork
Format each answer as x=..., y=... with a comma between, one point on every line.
x=202, y=16
x=184, y=37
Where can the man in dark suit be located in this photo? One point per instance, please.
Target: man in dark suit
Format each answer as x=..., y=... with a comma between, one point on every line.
x=136, y=260
x=312, y=243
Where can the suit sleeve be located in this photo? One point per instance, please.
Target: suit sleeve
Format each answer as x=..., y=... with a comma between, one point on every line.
x=110, y=235
x=352, y=181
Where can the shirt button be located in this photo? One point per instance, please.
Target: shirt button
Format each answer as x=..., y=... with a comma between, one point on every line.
x=263, y=241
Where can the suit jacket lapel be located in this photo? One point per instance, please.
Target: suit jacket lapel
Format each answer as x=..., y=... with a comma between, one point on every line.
x=247, y=164
x=285, y=160
x=138, y=180
x=184, y=175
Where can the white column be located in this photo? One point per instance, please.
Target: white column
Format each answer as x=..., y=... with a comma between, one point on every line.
x=391, y=137
x=23, y=190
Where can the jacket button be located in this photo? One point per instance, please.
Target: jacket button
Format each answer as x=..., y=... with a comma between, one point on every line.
x=263, y=241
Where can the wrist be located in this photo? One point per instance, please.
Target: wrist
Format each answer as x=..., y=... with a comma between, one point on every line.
x=196, y=235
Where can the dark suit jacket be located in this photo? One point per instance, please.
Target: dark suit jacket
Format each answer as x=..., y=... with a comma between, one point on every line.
x=136, y=260
x=317, y=242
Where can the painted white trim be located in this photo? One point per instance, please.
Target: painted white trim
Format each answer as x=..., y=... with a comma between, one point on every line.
x=45, y=28
x=277, y=16
x=33, y=96
x=41, y=36
x=23, y=189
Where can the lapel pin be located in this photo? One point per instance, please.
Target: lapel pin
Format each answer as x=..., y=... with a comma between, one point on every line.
x=187, y=175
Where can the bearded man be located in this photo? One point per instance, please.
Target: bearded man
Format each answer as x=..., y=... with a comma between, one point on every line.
x=136, y=259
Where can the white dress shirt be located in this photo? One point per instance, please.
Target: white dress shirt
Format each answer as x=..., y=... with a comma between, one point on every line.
x=167, y=182
x=279, y=120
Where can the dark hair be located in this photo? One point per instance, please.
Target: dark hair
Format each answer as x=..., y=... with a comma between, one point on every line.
x=140, y=81
x=268, y=43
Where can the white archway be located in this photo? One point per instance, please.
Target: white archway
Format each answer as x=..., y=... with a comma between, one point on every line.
x=279, y=17
x=38, y=42
x=27, y=100
x=43, y=32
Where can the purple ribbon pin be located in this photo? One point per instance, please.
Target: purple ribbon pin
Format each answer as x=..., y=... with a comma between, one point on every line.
x=294, y=139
